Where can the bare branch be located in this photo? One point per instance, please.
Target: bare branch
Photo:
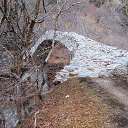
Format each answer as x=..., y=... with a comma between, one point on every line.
x=7, y=50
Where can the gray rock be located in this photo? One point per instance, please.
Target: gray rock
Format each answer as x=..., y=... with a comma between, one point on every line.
x=120, y=70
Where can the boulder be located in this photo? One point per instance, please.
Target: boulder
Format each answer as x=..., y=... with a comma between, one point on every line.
x=120, y=70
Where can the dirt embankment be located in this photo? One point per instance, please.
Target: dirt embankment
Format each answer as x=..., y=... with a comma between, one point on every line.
x=72, y=105
x=114, y=92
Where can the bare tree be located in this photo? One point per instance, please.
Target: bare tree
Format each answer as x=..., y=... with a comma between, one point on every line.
x=19, y=24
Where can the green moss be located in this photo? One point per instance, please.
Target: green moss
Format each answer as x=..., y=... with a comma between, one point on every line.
x=124, y=10
x=124, y=13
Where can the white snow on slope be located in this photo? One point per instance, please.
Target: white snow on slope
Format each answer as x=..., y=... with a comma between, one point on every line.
x=90, y=57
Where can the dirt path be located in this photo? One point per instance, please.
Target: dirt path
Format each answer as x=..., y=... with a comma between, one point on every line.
x=72, y=105
x=119, y=93
x=114, y=92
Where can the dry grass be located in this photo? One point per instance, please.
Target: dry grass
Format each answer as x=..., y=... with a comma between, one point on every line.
x=71, y=105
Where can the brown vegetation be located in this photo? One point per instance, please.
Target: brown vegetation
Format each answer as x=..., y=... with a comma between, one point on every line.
x=71, y=105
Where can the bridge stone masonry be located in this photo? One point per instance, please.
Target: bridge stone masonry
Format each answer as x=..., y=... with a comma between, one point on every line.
x=90, y=58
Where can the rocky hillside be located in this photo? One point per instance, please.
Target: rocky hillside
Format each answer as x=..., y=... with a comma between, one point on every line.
x=104, y=23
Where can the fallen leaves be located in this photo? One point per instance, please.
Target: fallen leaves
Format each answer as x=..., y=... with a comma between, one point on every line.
x=70, y=105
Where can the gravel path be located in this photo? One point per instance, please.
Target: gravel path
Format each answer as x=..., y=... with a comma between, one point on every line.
x=118, y=93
